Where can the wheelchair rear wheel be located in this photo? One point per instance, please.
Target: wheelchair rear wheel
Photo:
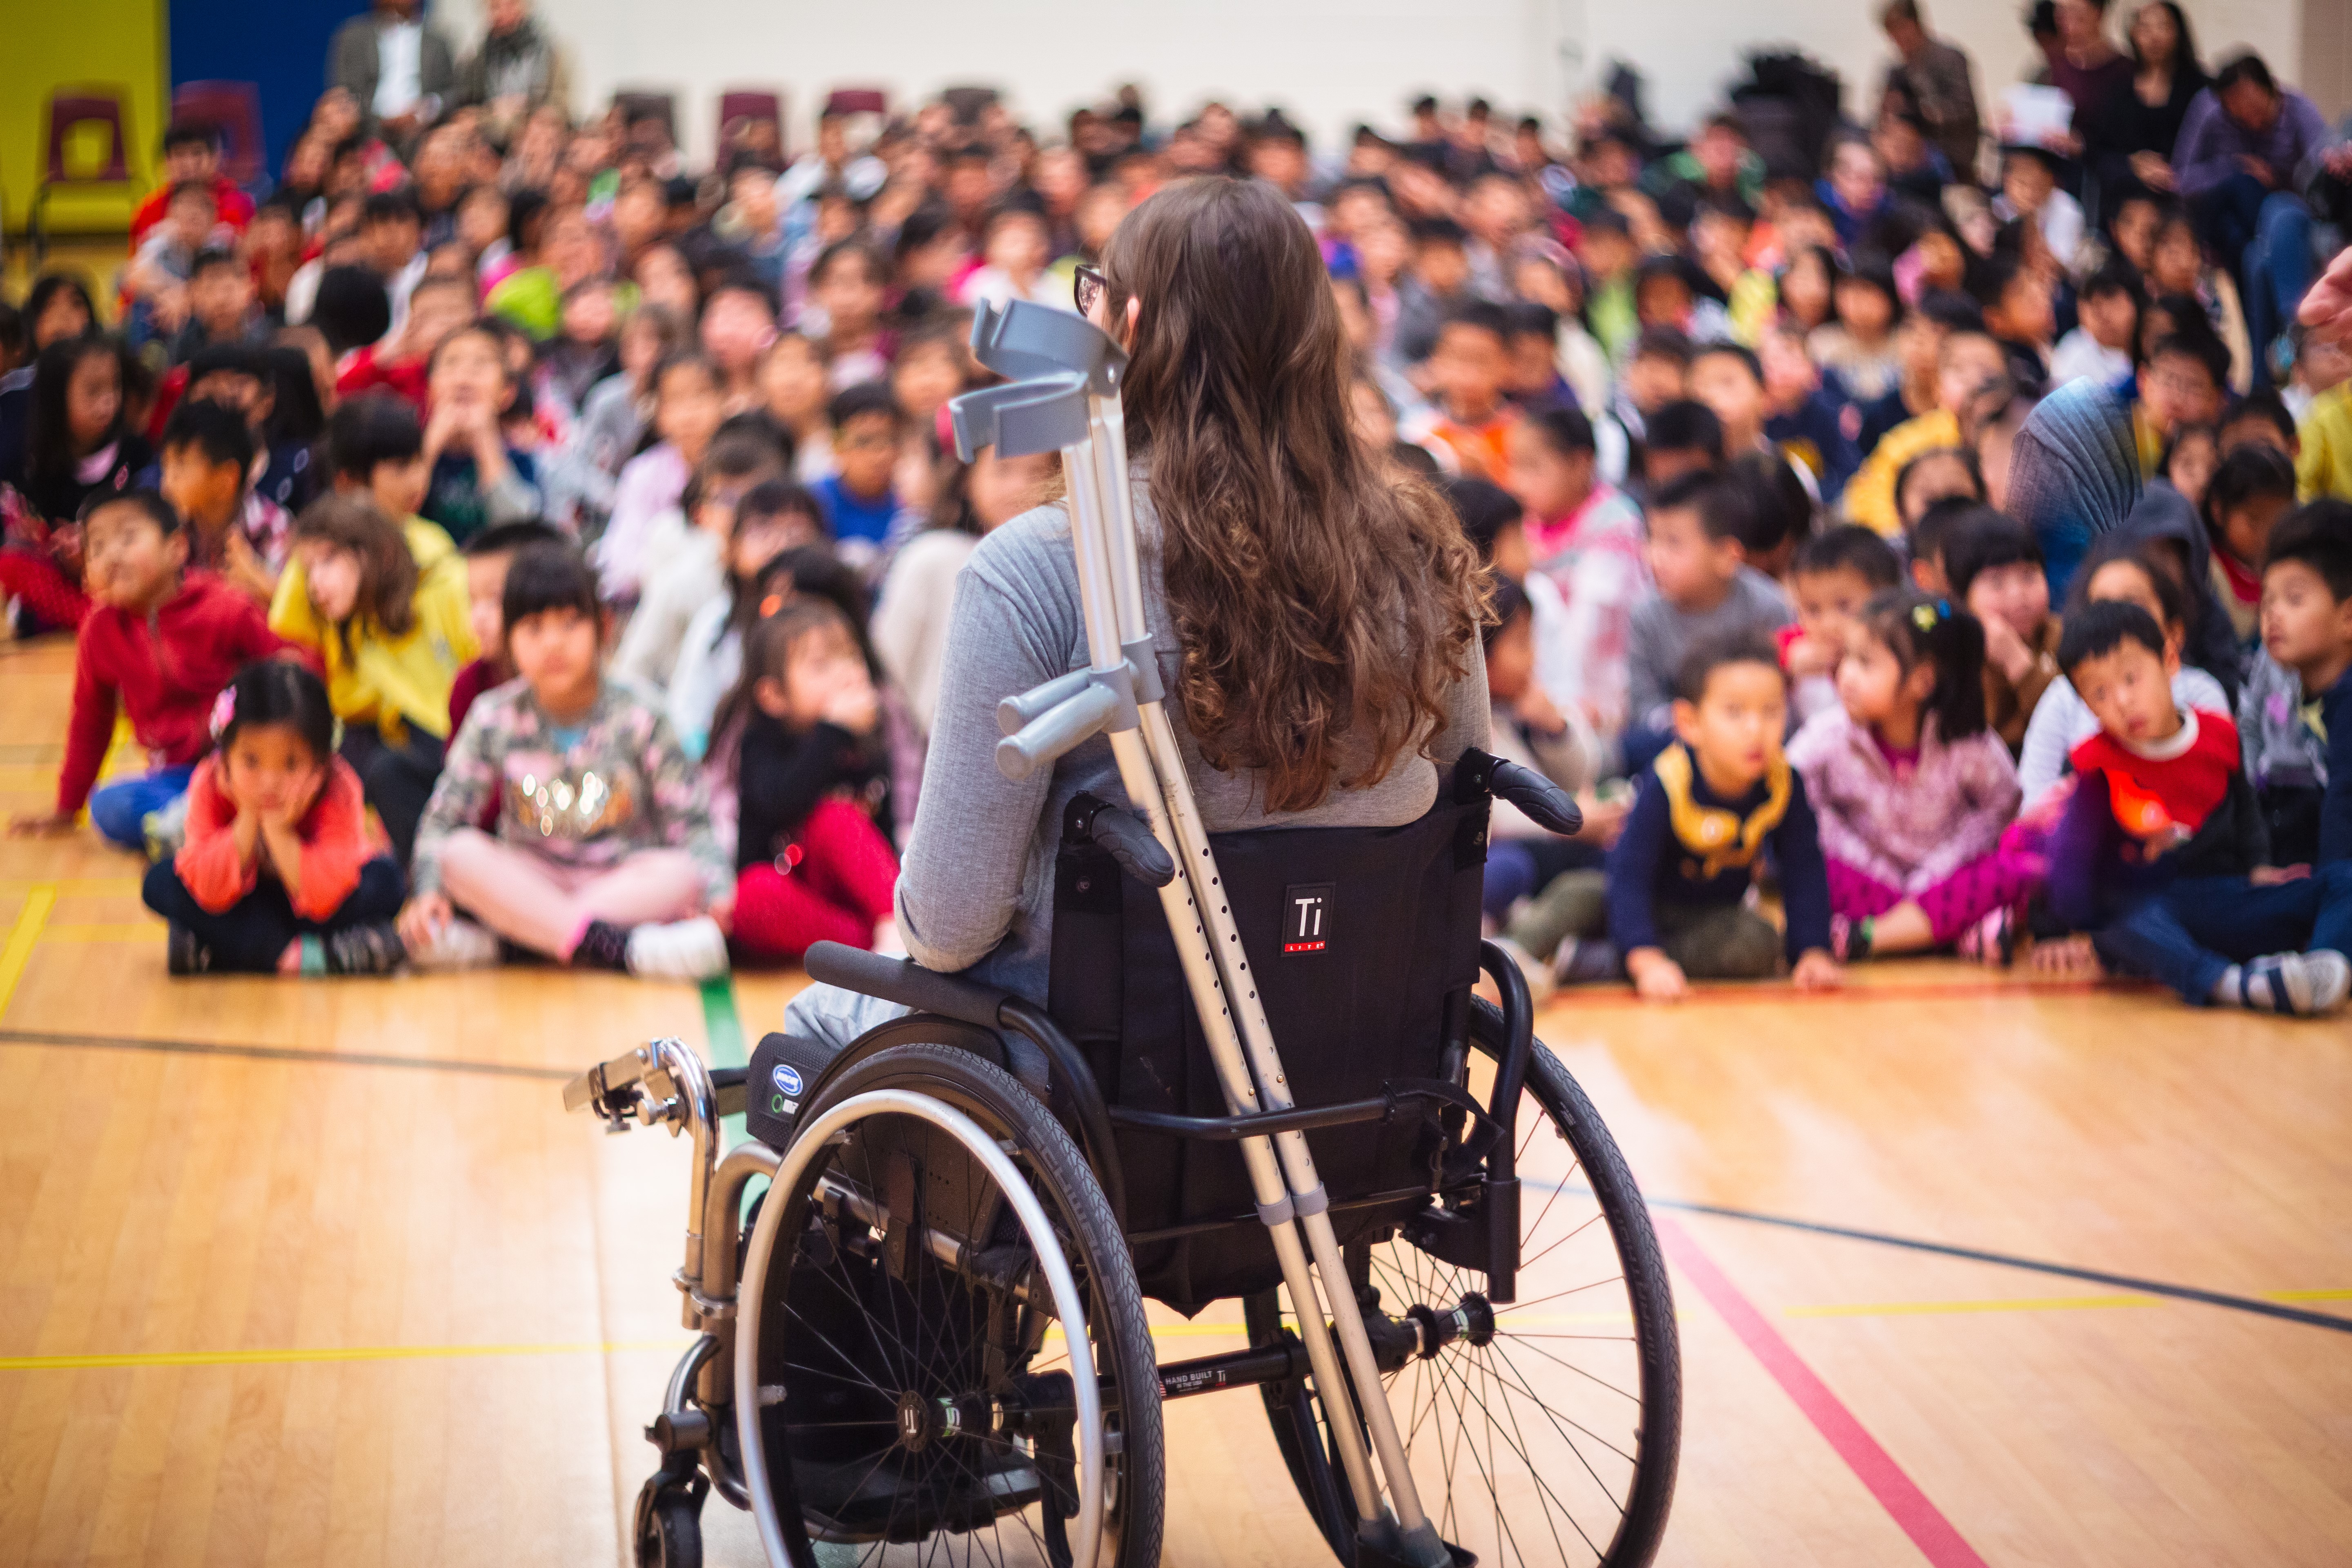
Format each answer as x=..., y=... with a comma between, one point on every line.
x=1546, y=1430
x=914, y=1383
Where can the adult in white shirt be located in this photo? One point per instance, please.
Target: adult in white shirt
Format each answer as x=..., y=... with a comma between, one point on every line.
x=397, y=68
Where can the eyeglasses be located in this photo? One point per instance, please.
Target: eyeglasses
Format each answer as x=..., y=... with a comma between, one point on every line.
x=1087, y=288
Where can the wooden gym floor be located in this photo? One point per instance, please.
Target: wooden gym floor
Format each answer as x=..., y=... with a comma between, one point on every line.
x=318, y=1272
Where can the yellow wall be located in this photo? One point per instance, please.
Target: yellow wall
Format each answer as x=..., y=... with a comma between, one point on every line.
x=48, y=43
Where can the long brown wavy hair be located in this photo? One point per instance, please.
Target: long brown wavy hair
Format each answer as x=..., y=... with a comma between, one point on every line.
x=1323, y=606
x=387, y=597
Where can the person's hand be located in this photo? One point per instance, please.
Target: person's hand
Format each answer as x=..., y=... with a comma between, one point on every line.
x=245, y=568
x=2338, y=160
x=2006, y=649
x=423, y=919
x=1604, y=820
x=1811, y=655
x=447, y=426
x=171, y=308
x=2261, y=172
x=1817, y=971
x=2151, y=170
x=1536, y=710
x=2276, y=876
x=65, y=545
x=2327, y=304
x=1657, y=978
x=853, y=707
x=2067, y=958
x=46, y=825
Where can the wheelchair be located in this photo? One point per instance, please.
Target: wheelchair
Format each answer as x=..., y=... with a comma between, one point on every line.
x=931, y=1340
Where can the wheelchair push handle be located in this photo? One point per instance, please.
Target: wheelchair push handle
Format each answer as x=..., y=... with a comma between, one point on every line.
x=1129, y=842
x=1546, y=803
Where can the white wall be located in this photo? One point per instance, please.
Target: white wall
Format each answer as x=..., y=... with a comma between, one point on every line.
x=1328, y=63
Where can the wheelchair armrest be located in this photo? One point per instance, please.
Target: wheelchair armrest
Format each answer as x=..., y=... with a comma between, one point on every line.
x=906, y=983
x=727, y=1090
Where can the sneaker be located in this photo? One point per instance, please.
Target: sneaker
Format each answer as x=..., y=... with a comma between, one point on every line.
x=1587, y=961
x=1992, y=941
x=183, y=954
x=461, y=944
x=1538, y=976
x=372, y=949
x=681, y=949
x=2299, y=984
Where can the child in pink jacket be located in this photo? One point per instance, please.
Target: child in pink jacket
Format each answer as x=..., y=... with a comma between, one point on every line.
x=1912, y=790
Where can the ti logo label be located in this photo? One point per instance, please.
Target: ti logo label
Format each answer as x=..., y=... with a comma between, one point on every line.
x=1306, y=918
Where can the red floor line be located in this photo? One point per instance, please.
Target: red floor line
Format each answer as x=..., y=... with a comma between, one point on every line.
x=1935, y=1537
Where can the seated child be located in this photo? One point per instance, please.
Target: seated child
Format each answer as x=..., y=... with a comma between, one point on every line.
x=478, y=478
x=604, y=855
x=207, y=456
x=1469, y=420
x=2117, y=568
x=1993, y=567
x=282, y=873
x=2161, y=854
x=384, y=610
x=402, y=363
x=1582, y=549
x=812, y=859
x=2251, y=490
x=1834, y=574
x=2296, y=711
x=1716, y=798
x=488, y=555
x=2100, y=346
x=1912, y=790
x=1684, y=437
x=1704, y=587
x=1968, y=364
x=858, y=500
x=776, y=519
x=161, y=641
x=1521, y=857
x=1940, y=473
x=688, y=554
x=690, y=400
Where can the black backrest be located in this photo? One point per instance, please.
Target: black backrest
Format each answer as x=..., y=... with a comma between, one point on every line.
x=1363, y=944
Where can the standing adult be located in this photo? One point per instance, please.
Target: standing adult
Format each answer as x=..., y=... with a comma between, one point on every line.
x=397, y=69
x=1937, y=81
x=2131, y=146
x=2086, y=67
x=516, y=70
x=2243, y=150
x=1315, y=623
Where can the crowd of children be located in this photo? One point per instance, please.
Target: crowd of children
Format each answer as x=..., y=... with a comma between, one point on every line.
x=503, y=543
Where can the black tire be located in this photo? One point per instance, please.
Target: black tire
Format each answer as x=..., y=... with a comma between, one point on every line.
x=855, y=1316
x=1547, y=1488
x=668, y=1527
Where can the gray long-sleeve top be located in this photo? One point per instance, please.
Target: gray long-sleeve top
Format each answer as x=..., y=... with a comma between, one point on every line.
x=976, y=892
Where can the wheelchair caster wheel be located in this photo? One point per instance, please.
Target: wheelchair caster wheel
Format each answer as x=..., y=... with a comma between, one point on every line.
x=669, y=1532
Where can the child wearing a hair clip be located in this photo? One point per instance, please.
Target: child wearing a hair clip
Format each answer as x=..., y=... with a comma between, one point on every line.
x=281, y=872
x=1913, y=789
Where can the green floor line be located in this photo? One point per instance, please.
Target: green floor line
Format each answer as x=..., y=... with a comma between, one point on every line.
x=722, y=1028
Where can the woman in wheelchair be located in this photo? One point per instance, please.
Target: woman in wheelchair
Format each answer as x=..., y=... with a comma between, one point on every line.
x=983, y=1162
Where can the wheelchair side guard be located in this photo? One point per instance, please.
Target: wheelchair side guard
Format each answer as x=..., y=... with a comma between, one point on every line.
x=1076, y=1094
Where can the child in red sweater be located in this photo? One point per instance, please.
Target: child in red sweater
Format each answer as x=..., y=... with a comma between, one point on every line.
x=282, y=872
x=159, y=641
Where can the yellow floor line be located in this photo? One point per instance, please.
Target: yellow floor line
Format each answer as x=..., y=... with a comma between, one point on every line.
x=355, y=1352
x=1925, y=1309
x=127, y=887
x=28, y=930
x=139, y=931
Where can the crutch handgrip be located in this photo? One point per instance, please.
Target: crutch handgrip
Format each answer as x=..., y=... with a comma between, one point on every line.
x=1047, y=737
x=1021, y=417
x=1022, y=342
x=1015, y=712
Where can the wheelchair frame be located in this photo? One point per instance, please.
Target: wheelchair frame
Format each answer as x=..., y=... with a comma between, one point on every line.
x=1064, y=395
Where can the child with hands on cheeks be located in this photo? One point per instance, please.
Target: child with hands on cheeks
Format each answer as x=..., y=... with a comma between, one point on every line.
x=280, y=872
x=1834, y=575
x=812, y=862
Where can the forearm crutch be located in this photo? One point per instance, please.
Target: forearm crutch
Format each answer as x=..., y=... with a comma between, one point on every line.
x=1064, y=395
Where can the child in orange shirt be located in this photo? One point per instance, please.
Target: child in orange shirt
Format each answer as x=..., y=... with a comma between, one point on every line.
x=281, y=873
x=1470, y=420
